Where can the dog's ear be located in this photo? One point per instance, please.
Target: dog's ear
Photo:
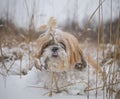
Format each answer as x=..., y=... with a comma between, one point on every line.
x=47, y=37
x=41, y=43
x=72, y=48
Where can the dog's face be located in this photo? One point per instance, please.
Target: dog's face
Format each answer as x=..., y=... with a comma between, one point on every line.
x=59, y=52
x=54, y=57
x=55, y=51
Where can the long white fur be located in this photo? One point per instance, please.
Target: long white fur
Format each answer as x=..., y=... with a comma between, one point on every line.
x=54, y=64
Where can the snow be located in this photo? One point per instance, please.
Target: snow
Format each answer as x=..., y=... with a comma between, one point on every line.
x=19, y=79
x=20, y=88
x=35, y=84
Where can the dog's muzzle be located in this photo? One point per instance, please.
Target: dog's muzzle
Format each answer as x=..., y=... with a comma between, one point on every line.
x=55, y=51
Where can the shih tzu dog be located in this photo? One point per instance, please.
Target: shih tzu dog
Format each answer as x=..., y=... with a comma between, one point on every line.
x=58, y=51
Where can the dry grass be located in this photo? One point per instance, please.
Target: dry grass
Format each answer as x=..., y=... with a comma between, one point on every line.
x=11, y=35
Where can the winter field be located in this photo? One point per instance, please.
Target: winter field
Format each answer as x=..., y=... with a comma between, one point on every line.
x=96, y=25
x=20, y=79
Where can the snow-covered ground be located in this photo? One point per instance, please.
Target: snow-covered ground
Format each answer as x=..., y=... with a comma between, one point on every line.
x=20, y=88
x=34, y=84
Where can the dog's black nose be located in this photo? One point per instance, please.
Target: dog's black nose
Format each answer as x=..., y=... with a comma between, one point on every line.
x=54, y=49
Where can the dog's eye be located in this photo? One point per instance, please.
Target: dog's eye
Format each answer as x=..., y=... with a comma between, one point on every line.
x=62, y=45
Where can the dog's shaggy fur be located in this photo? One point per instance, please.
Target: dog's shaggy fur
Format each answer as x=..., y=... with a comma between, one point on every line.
x=67, y=58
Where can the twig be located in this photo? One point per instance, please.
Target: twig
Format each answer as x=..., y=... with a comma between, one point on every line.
x=93, y=15
x=101, y=86
x=10, y=66
x=2, y=57
x=110, y=21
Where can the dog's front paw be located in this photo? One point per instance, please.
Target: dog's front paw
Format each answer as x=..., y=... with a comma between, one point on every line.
x=37, y=64
x=45, y=67
x=79, y=66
